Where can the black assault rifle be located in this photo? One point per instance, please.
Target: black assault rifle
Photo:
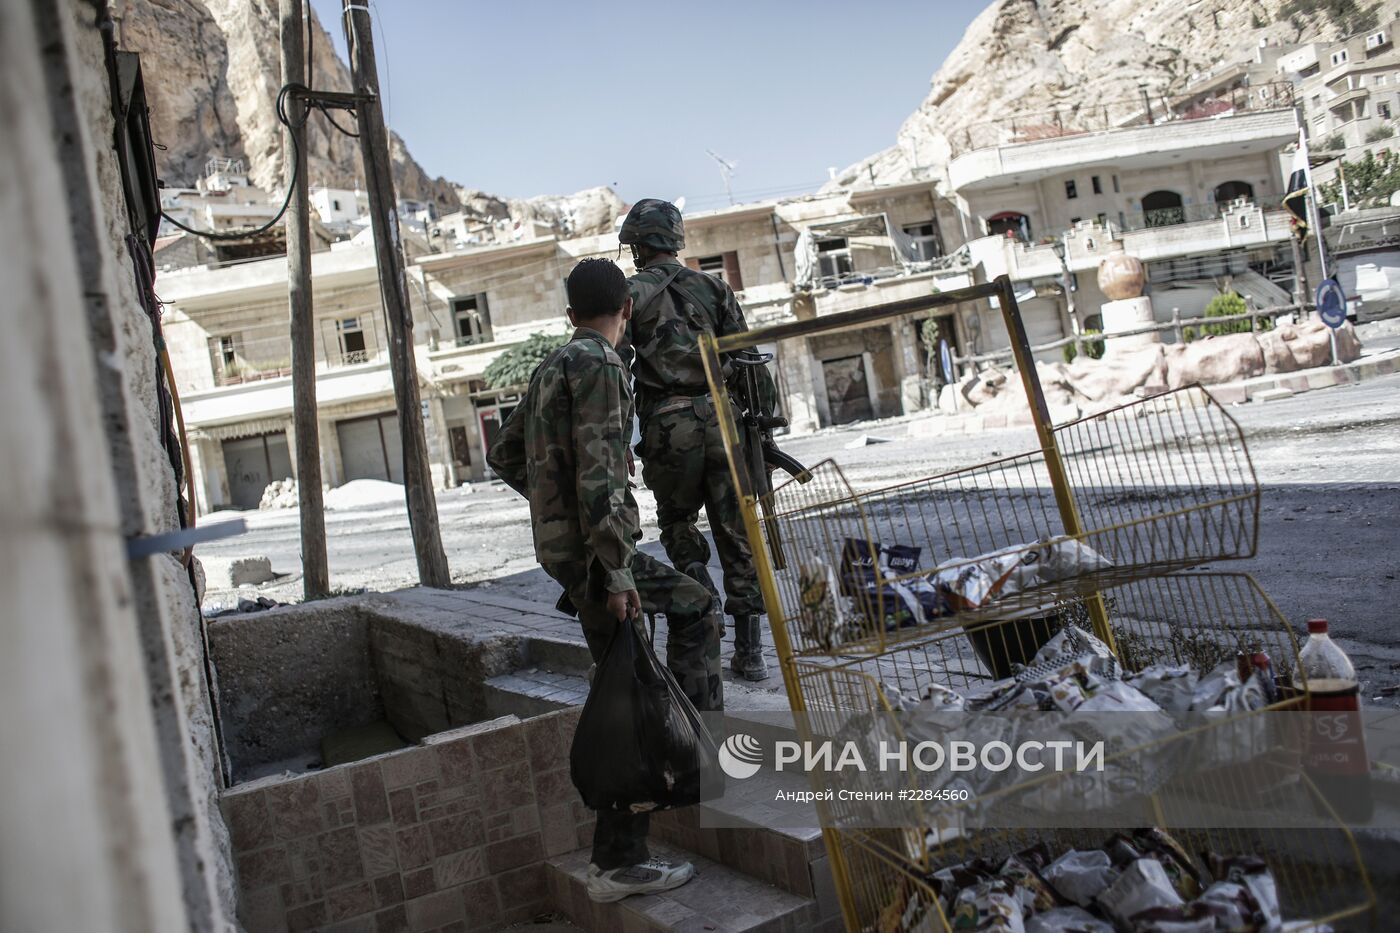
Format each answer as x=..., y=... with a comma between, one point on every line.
x=756, y=395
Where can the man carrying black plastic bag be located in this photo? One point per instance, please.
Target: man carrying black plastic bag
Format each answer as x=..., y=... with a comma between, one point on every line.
x=565, y=448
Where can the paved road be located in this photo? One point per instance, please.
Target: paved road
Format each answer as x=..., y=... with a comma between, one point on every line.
x=1329, y=545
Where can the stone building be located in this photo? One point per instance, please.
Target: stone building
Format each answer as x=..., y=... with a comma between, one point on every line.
x=1194, y=194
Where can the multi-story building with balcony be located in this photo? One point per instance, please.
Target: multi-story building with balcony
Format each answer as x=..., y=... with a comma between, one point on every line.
x=1197, y=200
x=1194, y=198
x=1350, y=90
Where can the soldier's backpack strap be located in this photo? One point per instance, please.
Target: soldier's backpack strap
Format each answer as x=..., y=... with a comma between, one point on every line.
x=706, y=324
x=665, y=284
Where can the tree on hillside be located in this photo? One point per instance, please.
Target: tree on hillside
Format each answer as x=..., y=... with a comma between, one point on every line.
x=1371, y=180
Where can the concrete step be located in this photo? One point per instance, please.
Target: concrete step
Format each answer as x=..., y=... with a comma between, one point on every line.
x=717, y=900
x=533, y=692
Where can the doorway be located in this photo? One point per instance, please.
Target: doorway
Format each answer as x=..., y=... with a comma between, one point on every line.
x=371, y=448
x=252, y=463
x=491, y=418
x=1162, y=209
x=847, y=390
x=1231, y=190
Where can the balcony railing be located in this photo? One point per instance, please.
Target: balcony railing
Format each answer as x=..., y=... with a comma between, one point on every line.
x=237, y=374
x=1117, y=114
x=1189, y=213
x=351, y=357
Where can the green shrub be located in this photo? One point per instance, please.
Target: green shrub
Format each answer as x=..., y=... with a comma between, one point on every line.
x=1092, y=348
x=1377, y=133
x=1334, y=142
x=1347, y=15
x=515, y=366
x=1225, y=304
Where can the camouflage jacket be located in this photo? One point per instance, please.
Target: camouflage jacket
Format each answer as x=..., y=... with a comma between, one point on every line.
x=665, y=334
x=564, y=448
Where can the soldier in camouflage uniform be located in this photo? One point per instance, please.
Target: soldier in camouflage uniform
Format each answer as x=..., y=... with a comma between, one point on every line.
x=565, y=448
x=683, y=459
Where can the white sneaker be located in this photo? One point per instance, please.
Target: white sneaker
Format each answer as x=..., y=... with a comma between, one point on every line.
x=649, y=877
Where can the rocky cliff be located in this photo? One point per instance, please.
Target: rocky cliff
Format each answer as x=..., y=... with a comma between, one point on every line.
x=213, y=69
x=1025, y=57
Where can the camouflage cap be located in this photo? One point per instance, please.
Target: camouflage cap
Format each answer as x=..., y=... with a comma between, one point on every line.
x=655, y=223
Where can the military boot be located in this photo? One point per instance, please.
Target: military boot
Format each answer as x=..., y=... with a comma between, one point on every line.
x=747, y=661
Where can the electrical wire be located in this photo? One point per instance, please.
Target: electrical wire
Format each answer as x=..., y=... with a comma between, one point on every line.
x=286, y=121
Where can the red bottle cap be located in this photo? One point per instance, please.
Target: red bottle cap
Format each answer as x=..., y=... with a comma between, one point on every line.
x=1317, y=626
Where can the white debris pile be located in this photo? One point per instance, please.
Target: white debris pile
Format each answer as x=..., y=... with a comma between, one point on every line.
x=1089, y=384
x=280, y=494
x=363, y=492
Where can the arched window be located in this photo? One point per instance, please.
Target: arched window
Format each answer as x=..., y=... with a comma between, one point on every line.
x=1010, y=224
x=1162, y=209
x=1231, y=190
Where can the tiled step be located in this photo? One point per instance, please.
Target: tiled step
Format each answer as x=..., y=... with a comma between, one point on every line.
x=533, y=692
x=716, y=900
x=741, y=831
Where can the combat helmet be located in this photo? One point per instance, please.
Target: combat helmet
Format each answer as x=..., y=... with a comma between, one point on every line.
x=655, y=223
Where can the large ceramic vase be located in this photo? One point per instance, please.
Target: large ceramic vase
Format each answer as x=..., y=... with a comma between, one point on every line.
x=1120, y=275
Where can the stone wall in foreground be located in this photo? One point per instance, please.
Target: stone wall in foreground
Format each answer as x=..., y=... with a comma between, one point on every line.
x=448, y=836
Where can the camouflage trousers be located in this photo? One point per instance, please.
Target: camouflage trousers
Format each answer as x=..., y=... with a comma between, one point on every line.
x=684, y=465
x=693, y=623
x=692, y=655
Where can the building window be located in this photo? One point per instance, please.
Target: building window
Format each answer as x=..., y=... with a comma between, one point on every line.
x=471, y=320
x=1010, y=224
x=927, y=243
x=352, y=341
x=1380, y=80
x=1231, y=190
x=335, y=204
x=1339, y=57
x=723, y=266
x=1375, y=40
x=1074, y=220
x=1071, y=190
x=228, y=354
x=712, y=265
x=1097, y=185
x=1102, y=219
x=834, y=257
x=1383, y=110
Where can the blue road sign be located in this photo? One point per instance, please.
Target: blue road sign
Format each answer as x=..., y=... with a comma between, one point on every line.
x=945, y=360
x=1331, y=303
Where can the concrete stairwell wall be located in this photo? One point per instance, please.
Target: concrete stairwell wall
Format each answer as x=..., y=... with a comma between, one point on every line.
x=109, y=775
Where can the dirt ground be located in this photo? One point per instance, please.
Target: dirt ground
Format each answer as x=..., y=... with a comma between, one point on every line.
x=1329, y=545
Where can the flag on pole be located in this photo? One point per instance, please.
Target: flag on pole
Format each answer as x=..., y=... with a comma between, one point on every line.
x=1295, y=201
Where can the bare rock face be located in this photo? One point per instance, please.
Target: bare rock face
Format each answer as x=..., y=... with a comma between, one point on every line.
x=185, y=56
x=213, y=69
x=1023, y=57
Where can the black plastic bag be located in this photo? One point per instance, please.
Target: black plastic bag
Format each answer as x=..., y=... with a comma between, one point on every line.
x=640, y=744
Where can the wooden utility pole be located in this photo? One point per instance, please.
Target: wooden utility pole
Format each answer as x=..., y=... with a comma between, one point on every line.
x=315, y=576
x=393, y=289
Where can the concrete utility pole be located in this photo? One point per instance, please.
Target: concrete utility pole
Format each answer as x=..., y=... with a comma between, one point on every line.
x=315, y=576
x=393, y=289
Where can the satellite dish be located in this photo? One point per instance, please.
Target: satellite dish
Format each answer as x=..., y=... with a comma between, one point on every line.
x=680, y=203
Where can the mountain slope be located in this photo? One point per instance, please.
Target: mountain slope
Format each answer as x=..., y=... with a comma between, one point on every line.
x=213, y=69
x=1021, y=57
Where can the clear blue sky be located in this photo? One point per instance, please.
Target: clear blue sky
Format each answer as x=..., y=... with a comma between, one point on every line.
x=533, y=97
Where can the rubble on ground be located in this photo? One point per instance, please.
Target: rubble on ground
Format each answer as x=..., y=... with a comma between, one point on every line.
x=280, y=494
x=1091, y=385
